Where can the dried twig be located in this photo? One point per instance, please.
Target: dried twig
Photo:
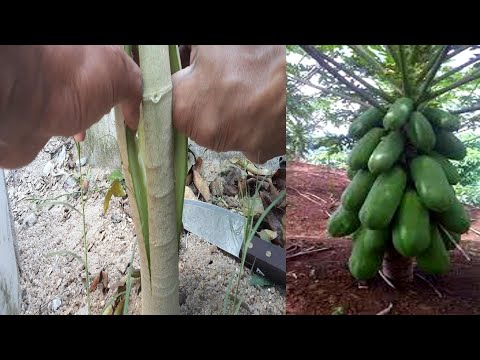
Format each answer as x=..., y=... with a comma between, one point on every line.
x=305, y=196
x=316, y=197
x=475, y=231
x=431, y=285
x=386, y=279
x=386, y=310
x=307, y=252
x=454, y=243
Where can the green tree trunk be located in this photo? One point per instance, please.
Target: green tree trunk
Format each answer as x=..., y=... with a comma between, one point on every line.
x=153, y=198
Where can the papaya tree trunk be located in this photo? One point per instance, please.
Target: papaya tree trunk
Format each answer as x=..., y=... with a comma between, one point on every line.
x=396, y=267
x=148, y=166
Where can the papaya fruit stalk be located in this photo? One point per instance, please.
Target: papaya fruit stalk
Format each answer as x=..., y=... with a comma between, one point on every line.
x=149, y=169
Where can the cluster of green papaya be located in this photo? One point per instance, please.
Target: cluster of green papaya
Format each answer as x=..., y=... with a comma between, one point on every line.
x=401, y=188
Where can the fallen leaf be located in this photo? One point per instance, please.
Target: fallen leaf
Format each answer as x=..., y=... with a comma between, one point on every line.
x=216, y=187
x=108, y=310
x=85, y=185
x=201, y=186
x=119, y=307
x=189, y=194
x=251, y=167
x=198, y=165
x=267, y=235
x=189, y=178
x=252, y=206
x=96, y=280
x=230, y=190
x=105, y=280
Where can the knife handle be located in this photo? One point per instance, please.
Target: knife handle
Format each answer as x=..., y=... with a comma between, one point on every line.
x=268, y=258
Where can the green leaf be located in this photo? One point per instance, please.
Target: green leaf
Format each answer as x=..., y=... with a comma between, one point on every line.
x=116, y=175
x=117, y=190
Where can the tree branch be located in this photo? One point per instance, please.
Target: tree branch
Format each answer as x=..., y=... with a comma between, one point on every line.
x=457, y=51
x=394, y=54
x=363, y=94
x=433, y=71
x=430, y=62
x=466, y=110
x=455, y=70
x=368, y=57
x=374, y=63
x=350, y=73
x=328, y=91
x=463, y=81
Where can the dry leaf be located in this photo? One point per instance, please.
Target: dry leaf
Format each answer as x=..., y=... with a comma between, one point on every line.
x=201, y=186
x=252, y=206
x=108, y=310
x=119, y=307
x=85, y=185
x=189, y=194
x=198, y=165
x=105, y=279
x=216, y=187
x=267, y=235
x=96, y=280
x=251, y=167
x=189, y=178
x=230, y=190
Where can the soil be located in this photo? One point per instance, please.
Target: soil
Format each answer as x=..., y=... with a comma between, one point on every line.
x=320, y=283
x=51, y=247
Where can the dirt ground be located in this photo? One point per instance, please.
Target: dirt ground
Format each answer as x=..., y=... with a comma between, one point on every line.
x=50, y=241
x=319, y=282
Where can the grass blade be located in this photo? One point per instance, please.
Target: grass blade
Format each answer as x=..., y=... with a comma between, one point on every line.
x=129, y=280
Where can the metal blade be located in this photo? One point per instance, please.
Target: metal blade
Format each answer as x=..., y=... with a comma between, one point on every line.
x=218, y=226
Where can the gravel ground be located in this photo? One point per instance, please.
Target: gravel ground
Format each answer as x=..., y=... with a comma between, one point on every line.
x=54, y=283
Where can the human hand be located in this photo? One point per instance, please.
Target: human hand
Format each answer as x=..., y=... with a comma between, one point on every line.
x=55, y=90
x=233, y=98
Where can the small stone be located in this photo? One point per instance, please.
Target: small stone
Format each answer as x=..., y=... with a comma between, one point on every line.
x=212, y=249
x=59, y=282
x=30, y=220
x=56, y=304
